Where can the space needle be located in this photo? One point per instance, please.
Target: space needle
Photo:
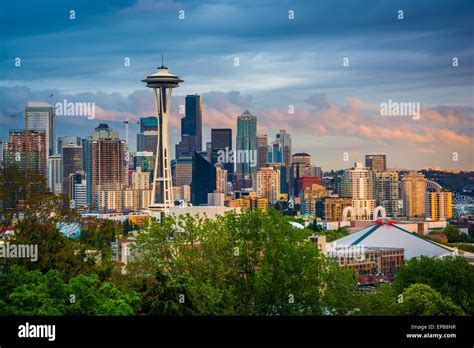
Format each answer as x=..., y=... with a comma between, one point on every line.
x=162, y=83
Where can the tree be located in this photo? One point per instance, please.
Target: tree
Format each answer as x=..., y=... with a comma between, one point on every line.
x=421, y=299
x=452, y=277
x=252, y=263
x=382, y=301
x=452, y=233
x=32, y=293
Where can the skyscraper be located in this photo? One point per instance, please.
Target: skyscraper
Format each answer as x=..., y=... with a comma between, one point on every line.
x=55, y=177
x=106, y=167
x=40, y=117
x=183, y=171
x=413, y=194
x=67, y=140
x=284, y=139
x=386, y=191
x=71, y=163
x=246, y=143
x=204, y=180
x=300, y=168
x=438, y=205
x=357, y=183
x=26, y=149
x=1, y=154
x=266, y=183
x=262, y=150
x=221, y=140
x=376, y=162
x=77, y=190
x=147, y=138
x=191, y=127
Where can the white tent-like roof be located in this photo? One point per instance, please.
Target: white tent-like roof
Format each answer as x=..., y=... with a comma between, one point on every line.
x=392, y=236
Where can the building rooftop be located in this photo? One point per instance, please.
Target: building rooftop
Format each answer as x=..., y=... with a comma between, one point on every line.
x=393, y=236
x=33, y=104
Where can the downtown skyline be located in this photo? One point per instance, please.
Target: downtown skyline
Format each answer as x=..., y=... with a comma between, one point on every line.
x=336, y=108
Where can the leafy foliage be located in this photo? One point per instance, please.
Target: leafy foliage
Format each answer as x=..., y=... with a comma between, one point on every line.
x=32, y=293
x=254, y=263
x=452, y=277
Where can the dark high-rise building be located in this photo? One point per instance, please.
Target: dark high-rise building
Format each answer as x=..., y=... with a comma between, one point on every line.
x=246, y=143
x=300, y=168
x=67, y=140
x=191, y=127
x=71, y=163
x=147, y=138
x=183, y=171
x=262, y=151
x=204, y=179
x=221, y=140
x=376, y=162
x=27, y=150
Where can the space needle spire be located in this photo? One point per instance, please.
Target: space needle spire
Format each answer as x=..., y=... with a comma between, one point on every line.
x=162, y=83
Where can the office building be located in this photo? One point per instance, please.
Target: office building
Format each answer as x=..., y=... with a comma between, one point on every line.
x=221, y=179
x=191, y=127
x=262, y=151
x=148, y=136
x=106, y=167
x=300, y=168
x=55, y=177
x=67, y=140
x=221, y=143
x=246, y=144
x=77, y=190
x=204, y=179
x=357, y=183
x=438, y=205
x=71, y=163
x=281, y=167
x=183, y=171
x=413, y=195
x=140, y=180
x=40, y=117
x=376, y=162
x=266, y=183
x=1, y=154
x=386, y=191
x=310, y=196
x=27, y=151
x=284, y=140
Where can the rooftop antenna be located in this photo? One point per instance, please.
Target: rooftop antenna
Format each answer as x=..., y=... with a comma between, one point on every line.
x=162, y=59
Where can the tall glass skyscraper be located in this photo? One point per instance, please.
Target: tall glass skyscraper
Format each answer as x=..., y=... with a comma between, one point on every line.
x=191, y=127
x=246, y=143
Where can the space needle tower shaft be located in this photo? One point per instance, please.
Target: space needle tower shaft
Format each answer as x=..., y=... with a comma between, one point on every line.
x=162, y=84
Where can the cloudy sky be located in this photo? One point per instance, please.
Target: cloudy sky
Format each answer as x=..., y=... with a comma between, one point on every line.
x=282, y=62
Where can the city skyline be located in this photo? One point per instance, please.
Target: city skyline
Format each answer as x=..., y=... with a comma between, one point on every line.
x=336, y=108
